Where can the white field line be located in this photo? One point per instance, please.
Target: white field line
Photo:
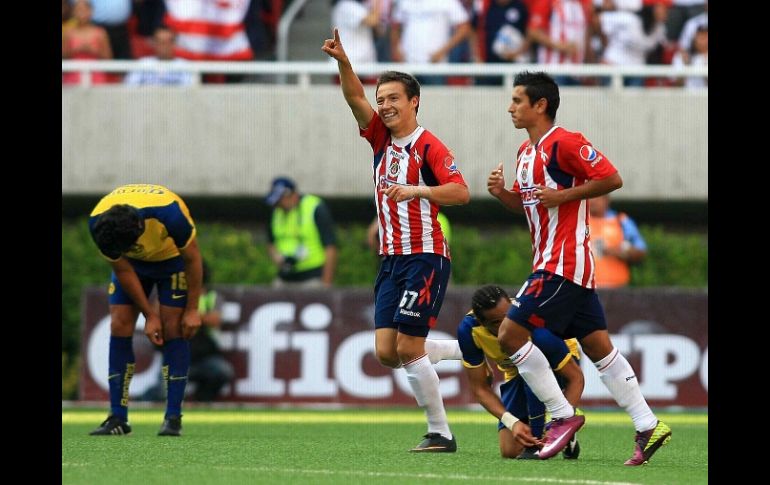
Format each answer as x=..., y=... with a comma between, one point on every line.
x=354, y=417
x=421, y=476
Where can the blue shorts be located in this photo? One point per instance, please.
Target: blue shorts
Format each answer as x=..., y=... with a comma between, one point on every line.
x=513, y=395
x=549, y=301
x=514, y=398
x=168, y=276
x=409, y=292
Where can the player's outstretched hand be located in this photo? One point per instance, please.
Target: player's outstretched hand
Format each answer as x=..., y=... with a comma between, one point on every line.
x=333, y=47
x=523, y=434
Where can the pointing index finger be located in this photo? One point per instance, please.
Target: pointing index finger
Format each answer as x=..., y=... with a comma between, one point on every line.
x=336, y=36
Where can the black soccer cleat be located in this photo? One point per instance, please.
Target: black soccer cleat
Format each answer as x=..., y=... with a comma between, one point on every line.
x=435, y=443
x=531, y=453
x=572, y=450
x=172, y=426
x=113, y=425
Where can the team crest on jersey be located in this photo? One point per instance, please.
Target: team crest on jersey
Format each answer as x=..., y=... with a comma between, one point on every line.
x=524, y=171
x=394, y=168
x=588, y=153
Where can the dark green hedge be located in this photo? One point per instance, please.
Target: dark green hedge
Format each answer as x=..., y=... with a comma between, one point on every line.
x=239, y=255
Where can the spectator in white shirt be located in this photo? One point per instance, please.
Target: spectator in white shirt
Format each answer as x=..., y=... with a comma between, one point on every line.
x=355, y=23
x=696, y=55
x=163, y=42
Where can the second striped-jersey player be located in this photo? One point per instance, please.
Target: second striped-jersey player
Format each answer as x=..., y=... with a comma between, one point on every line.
x=560, y=235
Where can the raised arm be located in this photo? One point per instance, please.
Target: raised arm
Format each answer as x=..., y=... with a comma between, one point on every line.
x=352, y=88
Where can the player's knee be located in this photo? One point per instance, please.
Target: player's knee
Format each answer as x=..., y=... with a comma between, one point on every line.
x=121, y=327
x=597, y=345
x=508, y=342
x=388, y=359
x=510, y=451
x=507, y=454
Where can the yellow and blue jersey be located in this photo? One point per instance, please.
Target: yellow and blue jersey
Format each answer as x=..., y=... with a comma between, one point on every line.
x=168, y=226
x=476, y=342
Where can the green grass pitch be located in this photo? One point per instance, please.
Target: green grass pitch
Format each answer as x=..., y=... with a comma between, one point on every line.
x=228, y=447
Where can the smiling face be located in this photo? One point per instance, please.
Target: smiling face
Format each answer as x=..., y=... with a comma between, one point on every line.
x=398, y=112
x=492, y=318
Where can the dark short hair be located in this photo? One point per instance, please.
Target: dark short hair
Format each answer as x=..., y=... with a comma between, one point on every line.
x=539, y=85
x=117, y=229
x=411, y=85
x=486, y=298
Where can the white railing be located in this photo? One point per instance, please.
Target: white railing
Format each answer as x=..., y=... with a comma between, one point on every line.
x=282, y=36
x=304, y=70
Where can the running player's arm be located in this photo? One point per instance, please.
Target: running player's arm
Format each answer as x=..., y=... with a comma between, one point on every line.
x=352, y=88
x=577, y=157
x=510, y=199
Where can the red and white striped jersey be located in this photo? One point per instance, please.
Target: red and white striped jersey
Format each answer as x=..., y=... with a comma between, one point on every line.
x=409, y=227
x=209, y=30
x=560, y=235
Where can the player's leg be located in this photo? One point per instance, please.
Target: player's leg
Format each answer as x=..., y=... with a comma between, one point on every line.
x=444, y=349
x=540, y=293
x=123, y=315
x=425, y=278
x=544, y=301
x=515, y=402
x=176, y=349
x=619, y=378
x=424, y=382
x=386, y=298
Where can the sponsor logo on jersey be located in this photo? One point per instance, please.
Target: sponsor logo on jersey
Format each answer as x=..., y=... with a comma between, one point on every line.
x=409, y=313
x=449, y=163
x=588, y=153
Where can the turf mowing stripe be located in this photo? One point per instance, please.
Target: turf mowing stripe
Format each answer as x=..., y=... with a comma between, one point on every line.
x=240, y=417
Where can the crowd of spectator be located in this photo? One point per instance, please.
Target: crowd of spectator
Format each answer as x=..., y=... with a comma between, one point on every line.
x=548, y=32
